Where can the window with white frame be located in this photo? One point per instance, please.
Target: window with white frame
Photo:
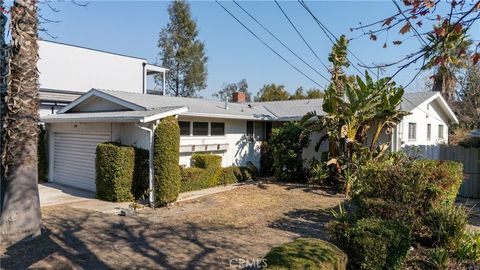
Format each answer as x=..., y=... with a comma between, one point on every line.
x=429, y=132
x=412, y=131
x=440, y=131
x=249, y=129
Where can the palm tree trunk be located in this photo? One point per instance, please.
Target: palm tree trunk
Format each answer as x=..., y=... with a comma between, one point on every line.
x=20, y=218
x=3, y=88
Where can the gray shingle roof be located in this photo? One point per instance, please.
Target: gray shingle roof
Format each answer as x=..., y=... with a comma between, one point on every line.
x=120, y=116
x=292, y=109
x=54, y=96
x=275, y=110
x=411, y=100
x=195, y=105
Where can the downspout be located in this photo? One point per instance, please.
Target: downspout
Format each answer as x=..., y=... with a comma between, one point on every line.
x=151, y=186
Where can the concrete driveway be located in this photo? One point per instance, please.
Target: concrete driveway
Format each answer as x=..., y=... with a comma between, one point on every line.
x=56, y=194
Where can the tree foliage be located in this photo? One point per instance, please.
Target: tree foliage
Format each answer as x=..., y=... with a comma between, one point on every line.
x=182, y=52
x=439, y=44
x=230, y=88
x=272, y=92
x=312, y=93
x=467, y=104
x=354, y=109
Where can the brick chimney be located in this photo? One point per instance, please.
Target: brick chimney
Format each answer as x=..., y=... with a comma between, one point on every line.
x=239, y=97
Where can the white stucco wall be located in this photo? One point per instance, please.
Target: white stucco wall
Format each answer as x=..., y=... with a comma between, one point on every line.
x=66, y=67
x=427, y=113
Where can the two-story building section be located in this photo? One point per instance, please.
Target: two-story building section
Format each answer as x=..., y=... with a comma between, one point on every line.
x=68, y=71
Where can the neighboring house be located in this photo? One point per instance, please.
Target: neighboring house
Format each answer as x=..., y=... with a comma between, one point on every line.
x=428, y=122
x=68, y=71
x=233, y=130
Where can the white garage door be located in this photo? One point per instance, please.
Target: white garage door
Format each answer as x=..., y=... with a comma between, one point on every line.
x=74, y=158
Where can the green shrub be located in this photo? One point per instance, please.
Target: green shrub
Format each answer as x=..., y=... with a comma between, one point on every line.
x=166, y=157
x=306, y=253
x=372, y=243
x=406, y=189
x=318, y=172
x=205, y=173
x=140, y=183
x=42, y=155
x=438, y=258
x=205, y=161
x=447, y=224
x=230, y=175
x=287, y=145
x=469, y=247
x=194, y=179
x=246, y=173
x=114, y=165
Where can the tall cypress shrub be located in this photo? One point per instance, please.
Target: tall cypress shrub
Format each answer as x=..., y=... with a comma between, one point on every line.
x=166, y=157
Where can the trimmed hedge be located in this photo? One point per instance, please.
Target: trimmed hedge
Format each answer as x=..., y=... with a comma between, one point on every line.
x=306, y=253
x=206, y=172
x=373, y=243
x=205, y=161
x=230, y=175
x=166, y=157
x=114, y=165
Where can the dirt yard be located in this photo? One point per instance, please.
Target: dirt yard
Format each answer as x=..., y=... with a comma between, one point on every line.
x=214, y=232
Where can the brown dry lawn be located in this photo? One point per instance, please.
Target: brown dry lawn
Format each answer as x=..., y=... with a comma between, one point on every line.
x=244, y=223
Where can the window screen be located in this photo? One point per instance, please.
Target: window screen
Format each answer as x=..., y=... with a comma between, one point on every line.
x=249, y=130
x=200, y=128
x=217, y=129
x=184, y=128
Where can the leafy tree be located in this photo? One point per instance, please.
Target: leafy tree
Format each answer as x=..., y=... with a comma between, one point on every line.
x=353, y=110
x=20, y=217
x=311, y=93
x=272, y=92
x=299, y=94
x=182, y=52
x=441, y=45
x=230, y=88
x=447, y=59
x=467, y=106
x=314, y=93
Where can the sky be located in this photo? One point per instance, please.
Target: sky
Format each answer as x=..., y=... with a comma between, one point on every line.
x=132, y=28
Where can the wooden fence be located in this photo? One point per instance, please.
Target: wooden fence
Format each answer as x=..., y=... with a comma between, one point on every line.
x=470, y=157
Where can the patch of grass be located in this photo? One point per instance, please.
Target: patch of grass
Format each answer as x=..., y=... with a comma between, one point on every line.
x=306, y=253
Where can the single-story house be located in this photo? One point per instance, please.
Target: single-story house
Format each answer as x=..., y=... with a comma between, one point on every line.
x=233, y=130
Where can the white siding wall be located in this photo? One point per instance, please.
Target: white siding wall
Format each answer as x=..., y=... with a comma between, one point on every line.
x=434, y=117
x=239, y=152
x=78, y=69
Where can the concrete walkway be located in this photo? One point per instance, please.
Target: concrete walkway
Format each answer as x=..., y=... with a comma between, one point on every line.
x=57, y=194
